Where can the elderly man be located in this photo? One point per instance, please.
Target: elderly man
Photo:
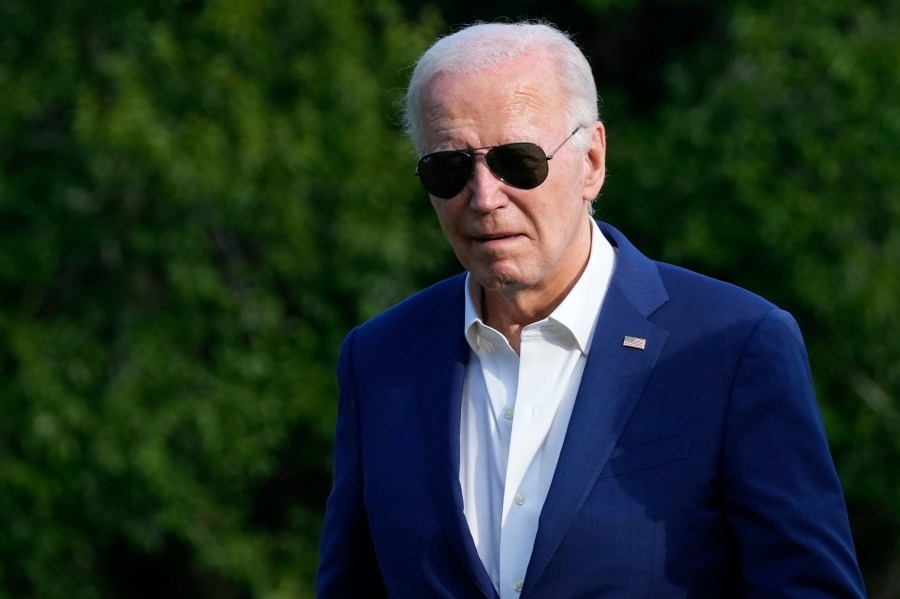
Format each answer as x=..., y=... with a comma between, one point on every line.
x=567, y=418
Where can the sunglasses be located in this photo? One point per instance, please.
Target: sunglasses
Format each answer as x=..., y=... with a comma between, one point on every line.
x=522, y=165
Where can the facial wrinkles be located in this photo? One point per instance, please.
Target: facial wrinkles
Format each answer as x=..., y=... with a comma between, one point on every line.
x=439, y=127
x=526, y=105
x=488, y=224
x=481, y=116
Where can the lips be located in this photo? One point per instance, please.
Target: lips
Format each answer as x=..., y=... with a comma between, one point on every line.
x=496, y=241
x=495, y=236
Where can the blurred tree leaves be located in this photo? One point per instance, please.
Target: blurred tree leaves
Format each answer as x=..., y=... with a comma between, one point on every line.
x=196, y=201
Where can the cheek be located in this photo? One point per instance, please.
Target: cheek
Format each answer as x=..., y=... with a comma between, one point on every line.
x=559, y=212
x=559, y=226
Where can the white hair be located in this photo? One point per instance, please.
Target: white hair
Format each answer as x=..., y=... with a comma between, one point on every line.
x=485, y=45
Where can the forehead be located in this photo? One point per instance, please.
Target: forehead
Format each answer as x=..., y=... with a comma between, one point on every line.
x=495, y=105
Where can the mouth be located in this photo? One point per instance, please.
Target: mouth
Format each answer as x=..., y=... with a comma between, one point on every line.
x=496, y=241
x=495, y=237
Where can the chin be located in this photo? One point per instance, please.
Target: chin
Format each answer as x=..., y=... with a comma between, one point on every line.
x=499, y=280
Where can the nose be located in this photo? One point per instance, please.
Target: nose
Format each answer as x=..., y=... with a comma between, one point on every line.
x=486, y=188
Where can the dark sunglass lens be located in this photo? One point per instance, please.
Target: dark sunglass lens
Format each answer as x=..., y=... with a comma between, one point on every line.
x=522, y=165
x=444, y=174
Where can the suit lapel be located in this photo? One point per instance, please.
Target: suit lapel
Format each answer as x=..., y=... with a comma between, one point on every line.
x=442, y=356
x=613, y=380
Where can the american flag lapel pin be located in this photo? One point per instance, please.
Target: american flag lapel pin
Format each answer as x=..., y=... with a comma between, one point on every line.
x=634, y=342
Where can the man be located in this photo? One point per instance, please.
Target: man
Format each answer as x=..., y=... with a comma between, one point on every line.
x=567, y=418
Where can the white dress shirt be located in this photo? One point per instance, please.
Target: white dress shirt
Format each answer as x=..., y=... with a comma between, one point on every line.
x=515, y=412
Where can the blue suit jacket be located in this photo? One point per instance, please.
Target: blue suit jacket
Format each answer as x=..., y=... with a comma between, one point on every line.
x=696, y=467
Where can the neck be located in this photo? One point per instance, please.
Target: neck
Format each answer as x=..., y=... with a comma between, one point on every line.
x=509, y=311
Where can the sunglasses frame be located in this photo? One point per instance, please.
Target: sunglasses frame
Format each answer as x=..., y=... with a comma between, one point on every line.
x=485, y=151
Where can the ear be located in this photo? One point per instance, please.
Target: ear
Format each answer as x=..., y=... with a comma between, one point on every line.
x=595, y=162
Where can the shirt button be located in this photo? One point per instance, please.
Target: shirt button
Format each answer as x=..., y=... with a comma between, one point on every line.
x=508, y=414
x=520, y=499
x=518, y=587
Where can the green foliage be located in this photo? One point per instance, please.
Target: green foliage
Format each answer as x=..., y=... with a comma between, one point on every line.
x=196, y=202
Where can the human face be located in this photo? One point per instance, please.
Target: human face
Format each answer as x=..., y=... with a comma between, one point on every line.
x=511, y=240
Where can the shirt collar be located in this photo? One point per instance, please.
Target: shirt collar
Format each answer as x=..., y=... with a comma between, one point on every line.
x=577, y=312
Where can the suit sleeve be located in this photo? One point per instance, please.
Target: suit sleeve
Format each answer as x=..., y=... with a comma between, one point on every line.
x=347, y=565
x=783, y=500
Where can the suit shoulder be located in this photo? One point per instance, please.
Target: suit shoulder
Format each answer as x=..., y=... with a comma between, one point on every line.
x=655, y=287
x=689, y=289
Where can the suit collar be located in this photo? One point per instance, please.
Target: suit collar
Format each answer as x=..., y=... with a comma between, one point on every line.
x=613, y=380
x=442, y=356
x=636, y=276
x=577, y=311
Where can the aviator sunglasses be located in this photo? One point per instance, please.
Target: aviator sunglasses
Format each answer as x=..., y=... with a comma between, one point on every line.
x=521, y=164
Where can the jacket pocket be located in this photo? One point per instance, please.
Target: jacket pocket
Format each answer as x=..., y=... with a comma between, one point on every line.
x=648, y=454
